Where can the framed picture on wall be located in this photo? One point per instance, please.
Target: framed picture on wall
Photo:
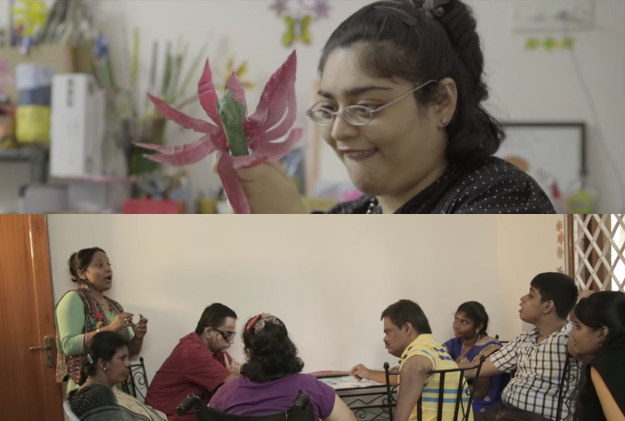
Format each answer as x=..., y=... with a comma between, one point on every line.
x=554, y=153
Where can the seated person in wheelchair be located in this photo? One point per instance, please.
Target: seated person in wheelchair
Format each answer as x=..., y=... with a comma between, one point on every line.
x=105, y=365
x=407, y=336
x=271, y=377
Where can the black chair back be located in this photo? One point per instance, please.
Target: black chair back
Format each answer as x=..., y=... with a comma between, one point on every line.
x=137, y=382
x=300, y=410
x=210, y=414
x=463, y=401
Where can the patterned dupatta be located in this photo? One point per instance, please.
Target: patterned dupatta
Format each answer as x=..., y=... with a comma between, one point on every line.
x=95, y=318
x=484, y=346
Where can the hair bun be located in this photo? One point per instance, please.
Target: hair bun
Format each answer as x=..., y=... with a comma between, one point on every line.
x=431, y=8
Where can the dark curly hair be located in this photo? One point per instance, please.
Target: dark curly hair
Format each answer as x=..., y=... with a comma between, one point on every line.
x=402, y=40
x=271, y=354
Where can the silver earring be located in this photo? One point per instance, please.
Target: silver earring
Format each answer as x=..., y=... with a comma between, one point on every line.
x=444, y=121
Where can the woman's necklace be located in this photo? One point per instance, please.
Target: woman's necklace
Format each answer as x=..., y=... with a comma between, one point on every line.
x=100, y=299
x=466, y=346
x=91, y=381
x=374, y=206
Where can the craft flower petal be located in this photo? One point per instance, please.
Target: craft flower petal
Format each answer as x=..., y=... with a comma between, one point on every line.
x=275, y=97
x=208, y=95
x=182, y=119
x=234, y=85
x=181, y=155
x=287, y=122
x=274, y=116
x=231, y=183
x=275, y=151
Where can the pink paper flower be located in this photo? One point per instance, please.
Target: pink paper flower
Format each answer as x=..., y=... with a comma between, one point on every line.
x=273, y=118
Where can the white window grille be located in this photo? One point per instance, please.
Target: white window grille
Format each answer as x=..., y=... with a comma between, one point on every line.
x=596, y=251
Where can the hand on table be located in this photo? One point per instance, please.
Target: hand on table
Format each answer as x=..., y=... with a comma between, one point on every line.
x=360, y=372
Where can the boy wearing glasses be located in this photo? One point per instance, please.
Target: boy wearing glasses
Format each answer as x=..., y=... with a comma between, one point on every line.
x=199, y=364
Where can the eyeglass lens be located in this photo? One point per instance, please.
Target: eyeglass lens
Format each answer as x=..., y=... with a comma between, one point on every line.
x=227, y=334
x=356, y=115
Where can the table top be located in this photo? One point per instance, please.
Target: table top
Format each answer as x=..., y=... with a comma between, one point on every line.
x=348, y=382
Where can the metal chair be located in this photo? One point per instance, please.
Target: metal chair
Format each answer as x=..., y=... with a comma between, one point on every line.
x=137, y=382
x=463, y=392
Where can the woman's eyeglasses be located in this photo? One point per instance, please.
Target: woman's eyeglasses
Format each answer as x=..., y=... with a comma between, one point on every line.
x=227, y=334
x=356, y=115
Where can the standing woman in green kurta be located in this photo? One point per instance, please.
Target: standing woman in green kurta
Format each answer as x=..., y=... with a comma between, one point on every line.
x=85, y=311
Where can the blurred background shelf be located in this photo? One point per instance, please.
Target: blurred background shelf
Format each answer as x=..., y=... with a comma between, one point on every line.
x=36, y=155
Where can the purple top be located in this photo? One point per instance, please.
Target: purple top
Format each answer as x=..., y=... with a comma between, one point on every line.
x=242, y=396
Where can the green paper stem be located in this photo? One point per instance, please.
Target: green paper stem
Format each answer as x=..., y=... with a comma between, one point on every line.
x=232, y=113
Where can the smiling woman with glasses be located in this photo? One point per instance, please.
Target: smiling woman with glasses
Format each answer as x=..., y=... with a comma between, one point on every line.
x=356, y=115
x=400, y=103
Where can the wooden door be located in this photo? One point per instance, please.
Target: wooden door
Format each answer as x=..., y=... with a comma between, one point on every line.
x=28, y=390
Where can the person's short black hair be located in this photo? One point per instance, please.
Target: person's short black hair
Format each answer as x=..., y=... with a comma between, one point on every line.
x=103, y=347
x=476, y=312
x=406, y=311
x=214, y=316
x=559, y=288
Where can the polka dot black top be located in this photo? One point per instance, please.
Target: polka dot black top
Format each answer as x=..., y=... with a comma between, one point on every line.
x=91, y=397
x=494, y=186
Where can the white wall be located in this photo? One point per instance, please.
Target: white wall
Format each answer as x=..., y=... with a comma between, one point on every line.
x=582, y=84
x=328, y=278
x=520, y=250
